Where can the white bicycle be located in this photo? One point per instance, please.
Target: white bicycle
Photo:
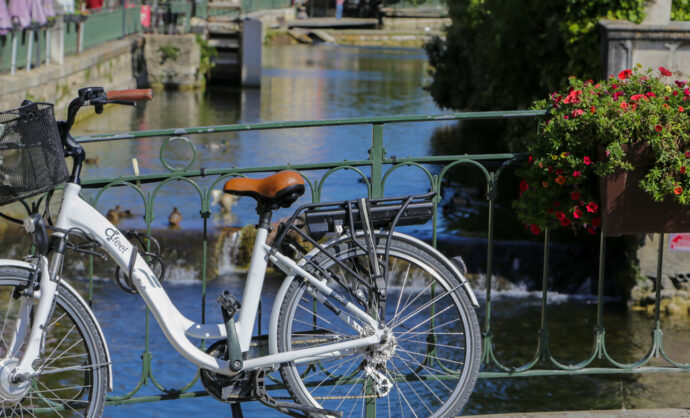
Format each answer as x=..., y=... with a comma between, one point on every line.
x=370, y=322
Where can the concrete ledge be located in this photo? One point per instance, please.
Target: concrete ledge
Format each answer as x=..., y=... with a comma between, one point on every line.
x=109, y=65
x=670, y=412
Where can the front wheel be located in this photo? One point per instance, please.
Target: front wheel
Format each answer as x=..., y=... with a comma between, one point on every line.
x=426, y=365
x=71, y=373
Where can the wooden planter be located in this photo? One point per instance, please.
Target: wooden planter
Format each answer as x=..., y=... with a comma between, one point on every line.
x=628, y=210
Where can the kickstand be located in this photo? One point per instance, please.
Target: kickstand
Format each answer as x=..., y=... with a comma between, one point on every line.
x=236, y=409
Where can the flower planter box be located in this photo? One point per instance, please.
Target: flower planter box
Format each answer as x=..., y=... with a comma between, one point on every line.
x=627, y=209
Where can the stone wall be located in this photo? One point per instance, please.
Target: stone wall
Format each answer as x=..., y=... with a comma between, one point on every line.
x=626, y=44
x=173, y=61
x=112, y=65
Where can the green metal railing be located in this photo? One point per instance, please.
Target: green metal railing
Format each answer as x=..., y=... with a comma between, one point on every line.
x=98, y=28
x=375, y=171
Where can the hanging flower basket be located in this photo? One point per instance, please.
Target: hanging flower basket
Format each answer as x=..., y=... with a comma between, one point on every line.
x=628, y=136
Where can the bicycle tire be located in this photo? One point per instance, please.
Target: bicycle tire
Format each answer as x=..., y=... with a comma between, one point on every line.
x=73, y=375
x=447, y=372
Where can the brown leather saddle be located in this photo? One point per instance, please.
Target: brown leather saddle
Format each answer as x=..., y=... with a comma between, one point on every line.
x=277, y=190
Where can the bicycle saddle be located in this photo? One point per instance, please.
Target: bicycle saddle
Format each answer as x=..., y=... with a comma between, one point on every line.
x=277, y=190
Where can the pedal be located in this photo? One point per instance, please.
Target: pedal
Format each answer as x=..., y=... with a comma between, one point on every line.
x=229, y=306
x=240, y=387
x=285, y=407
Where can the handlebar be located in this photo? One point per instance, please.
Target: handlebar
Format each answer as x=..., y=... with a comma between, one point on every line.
x=133, y=95
x=96, y=97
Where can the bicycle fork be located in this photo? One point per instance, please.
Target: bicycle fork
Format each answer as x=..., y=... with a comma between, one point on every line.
x=21, y=376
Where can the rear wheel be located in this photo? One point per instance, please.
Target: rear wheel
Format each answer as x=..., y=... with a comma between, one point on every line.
x=426, y=365
x=71, y=373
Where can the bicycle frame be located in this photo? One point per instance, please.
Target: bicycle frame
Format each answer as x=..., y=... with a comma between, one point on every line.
x=76, y=213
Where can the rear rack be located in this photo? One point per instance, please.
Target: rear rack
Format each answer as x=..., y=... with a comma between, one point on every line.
x=360, y=219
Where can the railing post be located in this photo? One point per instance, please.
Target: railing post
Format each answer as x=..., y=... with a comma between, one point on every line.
x=376, y=156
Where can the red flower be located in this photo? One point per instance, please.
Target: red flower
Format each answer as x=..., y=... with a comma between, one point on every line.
x=577, y=213
x=550, y=169
x=678, y=190
x=559, y=171
x=587, y=160
x=560, y=180
x=560, y=215
x=530, y=159
x=675, y=93
x=681, y=109
x=524, y=186
x=534, y=229
x=593, y=109
x=565, y=222
x=624, y=74
x=591, y=230
x=618, y=94
x=687, y=154
x=636, y=97
x=665, y=72
x=575, y=195
x=658, y=128
x=576, y=173
x=686, y=91
x=577, y=112
x=651, y=94
x=573, y=97
x=545, y=184
x=592, y=207
x=624, y=105
x=596, y=222
x=682, y=169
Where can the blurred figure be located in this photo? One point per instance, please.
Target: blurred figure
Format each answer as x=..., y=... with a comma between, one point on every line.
x=339, y=8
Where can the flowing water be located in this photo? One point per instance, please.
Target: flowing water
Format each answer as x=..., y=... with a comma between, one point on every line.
x=326, y=82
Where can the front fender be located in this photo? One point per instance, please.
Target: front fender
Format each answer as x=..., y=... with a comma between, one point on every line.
x=66, y=286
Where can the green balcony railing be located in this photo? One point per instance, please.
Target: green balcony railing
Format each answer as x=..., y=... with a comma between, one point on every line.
x=375, y=172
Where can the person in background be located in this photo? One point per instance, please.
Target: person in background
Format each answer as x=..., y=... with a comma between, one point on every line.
x=339, y=8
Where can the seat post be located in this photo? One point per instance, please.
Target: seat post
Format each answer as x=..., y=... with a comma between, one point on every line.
x=265, y=214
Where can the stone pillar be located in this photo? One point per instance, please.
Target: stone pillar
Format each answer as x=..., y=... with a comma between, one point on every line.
x=252, y=40
x=625, y=44
x=658, y=12
x=57, y=42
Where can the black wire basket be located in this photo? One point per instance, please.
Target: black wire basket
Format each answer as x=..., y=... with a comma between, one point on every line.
x=31, y=154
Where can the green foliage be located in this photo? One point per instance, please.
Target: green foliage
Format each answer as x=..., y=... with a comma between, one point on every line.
x=502, y=54
x=680, y=10
x=207, y=54
x=169, y=51
x=586, y=136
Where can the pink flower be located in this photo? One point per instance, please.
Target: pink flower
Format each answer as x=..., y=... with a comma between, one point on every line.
x=665, y=72
x=577, y=213
x=576, y=173
x=577, y=112
x=587, y=160
x=592, y=207
x=651, y=94
x=534, y=229
x=679, y=83
x=636, y=97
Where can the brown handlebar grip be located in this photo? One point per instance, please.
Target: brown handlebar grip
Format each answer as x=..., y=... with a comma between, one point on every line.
x=133, y=95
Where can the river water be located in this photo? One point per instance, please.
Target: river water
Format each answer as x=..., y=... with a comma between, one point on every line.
x=327, y=82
